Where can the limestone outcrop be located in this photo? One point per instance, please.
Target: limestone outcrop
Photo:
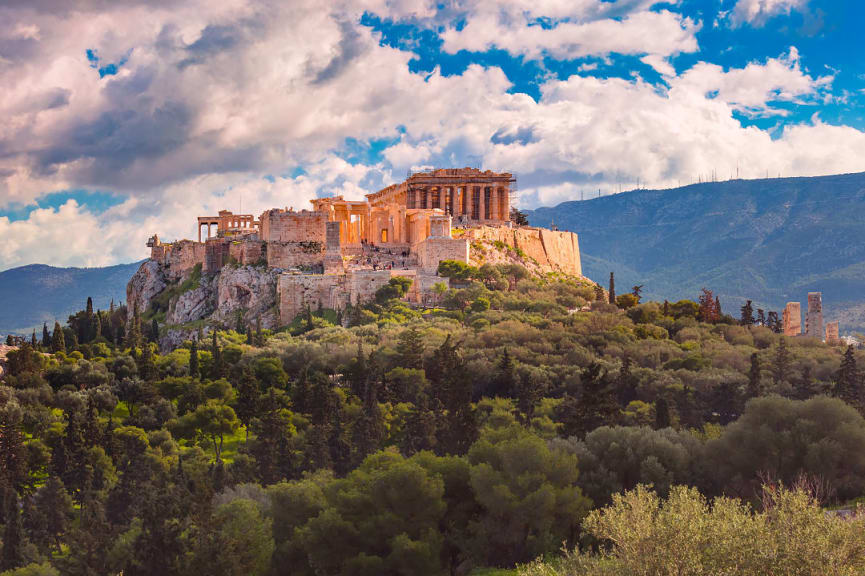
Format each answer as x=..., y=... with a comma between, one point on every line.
x=147, y=283
x=248, y=291
x=245, y=292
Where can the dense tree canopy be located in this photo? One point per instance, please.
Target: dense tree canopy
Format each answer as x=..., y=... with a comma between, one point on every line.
x=392, y=439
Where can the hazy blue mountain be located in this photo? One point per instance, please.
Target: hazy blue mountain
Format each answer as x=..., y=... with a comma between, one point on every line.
x=770, y=240
x=34, y=294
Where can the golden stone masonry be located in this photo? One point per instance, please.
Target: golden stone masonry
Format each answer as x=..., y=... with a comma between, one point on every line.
x=342, y=251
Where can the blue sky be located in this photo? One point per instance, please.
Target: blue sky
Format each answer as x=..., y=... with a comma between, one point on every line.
x=130, y=118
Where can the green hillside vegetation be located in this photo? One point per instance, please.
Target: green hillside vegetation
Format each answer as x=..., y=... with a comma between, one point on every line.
x=519, y=414
x=769, y=240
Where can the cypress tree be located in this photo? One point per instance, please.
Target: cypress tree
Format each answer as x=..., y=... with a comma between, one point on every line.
x=626, y=384
x=529, y=392
x=12, y=556
x=505, y=381
x=369, y=428
x=58, y=341
x=33, y=339
x=259, y=335
x=248, y=398
x=747, y=317
x=612, y=289
x=596, y=405
x=781, y=363
x=46, y=337
x=194, y=371
x=848, y=386
x=755, y=386
x=410, y=348
x=718, y=307
x=146, y=364
x=662, y=414
x=666, y=307
x=98, y=329
x=154, y=330
x=218, y=368
x=803, y=386
x=420, y=431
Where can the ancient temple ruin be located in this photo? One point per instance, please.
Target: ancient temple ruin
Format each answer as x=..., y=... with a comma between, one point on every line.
x=341, y=251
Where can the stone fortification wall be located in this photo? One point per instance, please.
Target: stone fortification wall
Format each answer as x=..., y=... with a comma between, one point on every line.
x=247, y=252
x=291, y=226
x=287, y=255
x=297, y=291
x=179, y=257
x=553, y=250
x=435, y=249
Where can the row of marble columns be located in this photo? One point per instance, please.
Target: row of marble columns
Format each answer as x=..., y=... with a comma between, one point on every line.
x=461, y=201
x=209, y=229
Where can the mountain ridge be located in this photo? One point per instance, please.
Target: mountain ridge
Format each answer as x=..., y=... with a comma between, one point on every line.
x=37, y=293
x=768, y=240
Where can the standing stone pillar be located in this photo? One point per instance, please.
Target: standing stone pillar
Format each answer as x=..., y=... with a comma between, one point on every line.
x=494, y=200
x=482, y=204
x=443, y=198
x=333, y=263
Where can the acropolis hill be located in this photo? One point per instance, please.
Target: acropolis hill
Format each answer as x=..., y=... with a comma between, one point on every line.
x=342, y=251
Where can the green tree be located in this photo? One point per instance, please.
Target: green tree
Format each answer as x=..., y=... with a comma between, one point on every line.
x=58, y=340
x=781, y=364
x=248, y=398
x=596, y=406
x=755, y=377
x=781, y=439
x=662, y=414
x=747, y=314
x=848, y=382
x=239, y=542
x=386, y=516
x=194, y=370
x=528, y=495
x=410, y=348
x=519, y=218
x=612, y=290
x=211, y=421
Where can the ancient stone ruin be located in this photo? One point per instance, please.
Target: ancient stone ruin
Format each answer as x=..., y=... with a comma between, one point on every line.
x=342, y=251
x=814, y=318
x=793, y=319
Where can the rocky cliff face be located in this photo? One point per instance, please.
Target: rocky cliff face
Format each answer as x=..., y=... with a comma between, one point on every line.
x=147, y=283
x=222, y=299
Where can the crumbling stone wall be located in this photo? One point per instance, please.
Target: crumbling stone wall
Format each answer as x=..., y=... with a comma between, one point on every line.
x=814, y=318
x=793, y=319
x=433, y=250
x=287, y=255
x=297, y=291
x=290, y=226
x=833, y=335
x=181, y=256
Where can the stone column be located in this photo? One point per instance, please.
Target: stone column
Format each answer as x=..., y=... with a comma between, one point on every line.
x=443, y=198
x=506, y=205
x=482, y=204
x=494, y=200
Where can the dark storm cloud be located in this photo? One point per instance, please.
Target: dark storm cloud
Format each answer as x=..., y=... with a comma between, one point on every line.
x=118, y=137
x=522, y=135
x=350, y=47
x=213, y=40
